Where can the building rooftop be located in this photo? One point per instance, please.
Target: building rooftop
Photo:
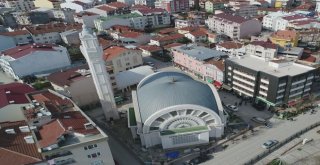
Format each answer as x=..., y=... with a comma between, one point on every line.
x=113, y=52
x=15, y=33
x=150, y=48
x=285, y=34
x=106, y=8
x=131, y=34
x=199, y=52
x=117, y=5
x=264, y=44
x=198, y=33
x=166, y=89
x=66, y=77
x=14, y=93
x=122, y=16
x=169, y=37
x=52, y=27
x=231, y=45
x=230, y=17
x=14, y=143
x=20, y=51
x=285, y=68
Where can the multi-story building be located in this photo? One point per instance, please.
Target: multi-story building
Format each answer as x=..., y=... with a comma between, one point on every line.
x=285, y=38
x=199, y=61
x=128, y=2
x=189, y=22
x=17, y=145
x=234, y=26
x=20, y=37
x=245, y=10
x=31, y=18
x=13, y=97
x=173, y=6
x=43, y=58
x=50, y=33
x=212, y=5
x=51, y=4
x=78, y=6
x=65, y=134
x=71, y=37
x=155, y=17
x=149, y=3
x=20, y=5
x=273, y=82
x=231, y=48
x=68, y=82
x=262, y=49
x=64, y=15
x=197, y=36
x=120, y=59
x=86, y=18
x=131, y=37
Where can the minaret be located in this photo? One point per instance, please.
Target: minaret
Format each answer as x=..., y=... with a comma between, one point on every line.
x=93, y=53
x=317, y=10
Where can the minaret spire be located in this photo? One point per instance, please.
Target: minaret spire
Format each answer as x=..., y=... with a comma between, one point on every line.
x=93, y=53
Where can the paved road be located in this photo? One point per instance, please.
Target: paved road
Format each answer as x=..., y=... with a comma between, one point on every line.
x=247, y=149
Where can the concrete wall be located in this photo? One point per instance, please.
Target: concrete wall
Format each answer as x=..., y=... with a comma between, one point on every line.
x=6, y=42
x=12, y=112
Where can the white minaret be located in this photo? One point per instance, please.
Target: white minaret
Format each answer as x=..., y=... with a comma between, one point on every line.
x=93, y=53
x=317, y=6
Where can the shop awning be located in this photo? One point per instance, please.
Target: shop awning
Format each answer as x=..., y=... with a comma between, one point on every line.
x=266, y=101
x=227, y=87
x=217, y=84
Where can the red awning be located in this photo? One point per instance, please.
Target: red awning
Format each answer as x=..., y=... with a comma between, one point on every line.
x=217, y=84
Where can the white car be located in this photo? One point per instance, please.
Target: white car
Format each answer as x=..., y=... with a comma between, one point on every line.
x=270, y=143
x=232, y=107
x=150, y=64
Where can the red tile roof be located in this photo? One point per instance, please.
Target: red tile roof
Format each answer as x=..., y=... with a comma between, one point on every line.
x=146, y=11
x=15, y=158
x=20, y=51
x=130, y=34
x=167, y=30
x=50, y=133
x=68, y=121
x=198, y=33
x=113, y=52
x=66, y=77
x=117, y=5
x=137, y=7
x=219, y=64
x=168, y=38
x=285, y=34
x=46, y=97
x=16, y=143
x=17, y=93
x=105, y=43
x=294, y=17
x=232, y=18
x=106, y=8
x=230, y=45
x=150, y=48
x=84, y=13
x=52, y=27
x=265, y=44
x=310, y=59
x=15, y=33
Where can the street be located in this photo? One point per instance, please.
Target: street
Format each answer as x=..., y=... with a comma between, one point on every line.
x=244, y=150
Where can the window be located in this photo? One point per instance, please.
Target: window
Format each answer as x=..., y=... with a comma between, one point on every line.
x=85, y=148
x=89, y=156
x=95, y=145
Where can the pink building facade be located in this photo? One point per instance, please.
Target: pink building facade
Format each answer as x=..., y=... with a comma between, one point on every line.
x=173, y=6
x=208, y=68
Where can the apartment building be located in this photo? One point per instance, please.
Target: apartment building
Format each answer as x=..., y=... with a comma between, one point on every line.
x=44, y=58
x=78, y=6
x=262, y=49
x=149, y=3
x=120, y=59
x=64, y=15
x=20, y=5
x=65, y=134
x=285, y=38
x=234, y=26
x=20, y=37
x=32, y=17
x=200, y=61
x=274, y=82
x=189, y=22
x=51, y=4
x=245, y=10
x=212, y=5
x=165, y=40
x=86, y=18
x=231, y=48
x=173, y=6
x=197, y=36
x=50, y=33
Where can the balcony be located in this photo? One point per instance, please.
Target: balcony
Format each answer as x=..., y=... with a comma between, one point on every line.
x=306, y=90
x=241, y=91
x=282, y=84
x=281, y=90
x=263, y=93
x=296, y=94
x=265, y=81
x=244, y=81
x=297, y=82
x=310, y=78
x=294, y=89
x=263, y=87
x=242, y=86
x=280, y=96
x=244, y=75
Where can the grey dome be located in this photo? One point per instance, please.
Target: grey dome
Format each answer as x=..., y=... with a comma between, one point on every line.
x=166, y=89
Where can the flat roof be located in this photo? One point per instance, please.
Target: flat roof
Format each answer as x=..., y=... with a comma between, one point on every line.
x=199, y=52
x=258, y=64
x=184, y=130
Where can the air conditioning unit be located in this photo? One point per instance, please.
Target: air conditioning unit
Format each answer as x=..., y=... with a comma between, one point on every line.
x=10, y=131
x=24, y=129
x=29, y=139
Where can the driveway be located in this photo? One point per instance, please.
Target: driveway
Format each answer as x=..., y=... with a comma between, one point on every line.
x=243, y=151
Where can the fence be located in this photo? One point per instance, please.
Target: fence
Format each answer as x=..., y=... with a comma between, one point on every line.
x=267, y=152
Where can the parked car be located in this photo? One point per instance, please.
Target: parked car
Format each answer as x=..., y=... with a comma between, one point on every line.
x=259, y=120
x=150, y=63
x=232, y=107
x=270, y=143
